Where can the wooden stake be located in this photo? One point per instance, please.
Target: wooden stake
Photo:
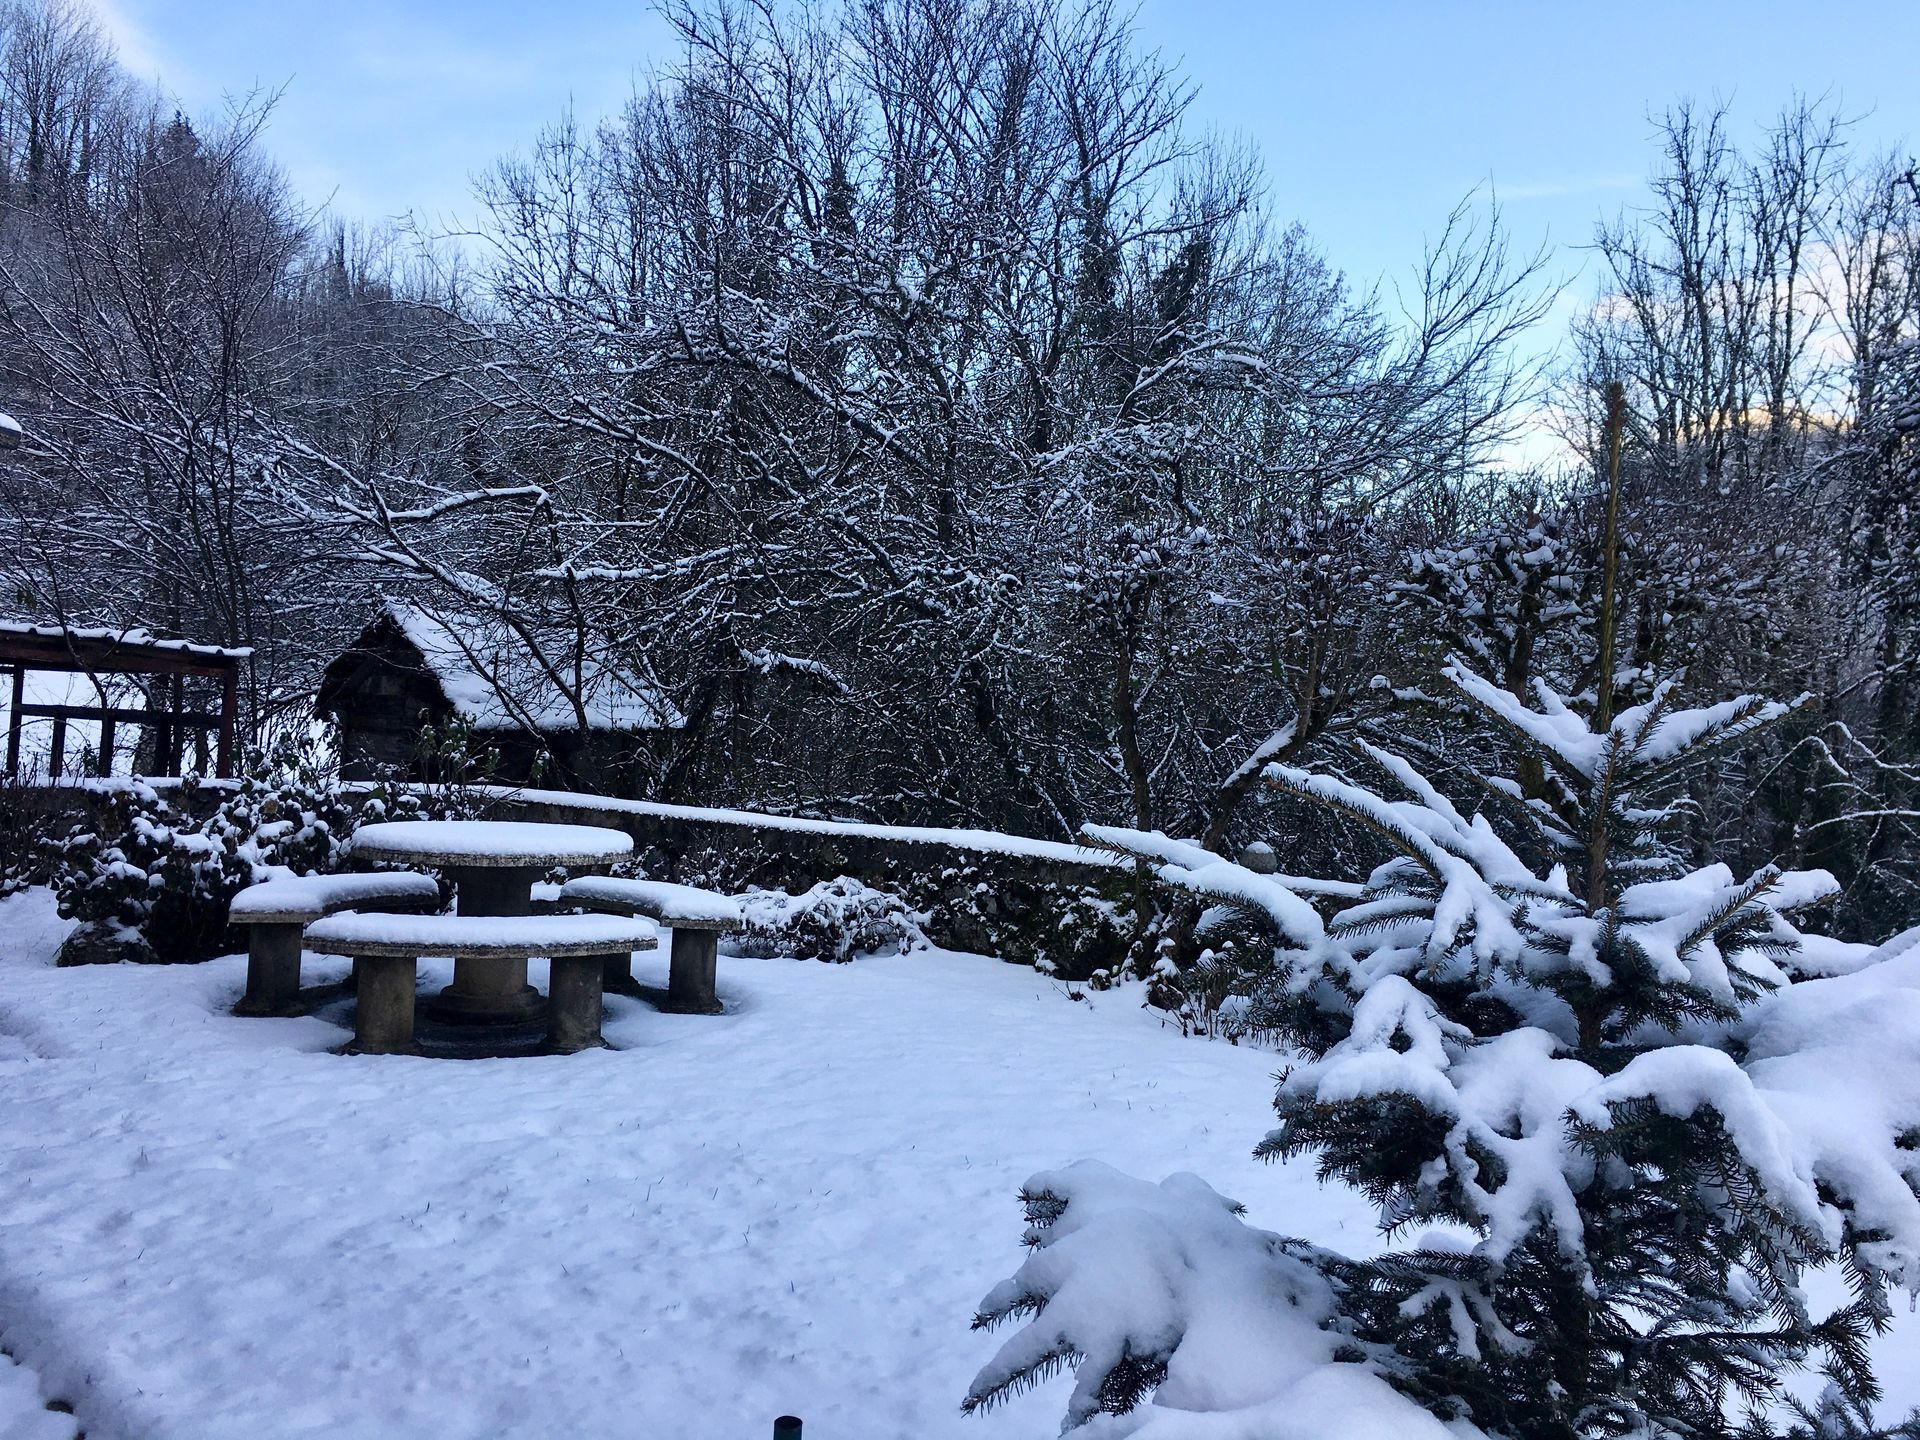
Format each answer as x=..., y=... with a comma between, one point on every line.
x=1610, y=556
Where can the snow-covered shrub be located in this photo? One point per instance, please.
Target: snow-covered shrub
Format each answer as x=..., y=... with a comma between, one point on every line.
x=146, y=881
x=1161, y=1288
x=1067, y=927
x=31, y=816
x=151, y=877
x=1650, y=1101
x=833, y=920
x=1213, y=995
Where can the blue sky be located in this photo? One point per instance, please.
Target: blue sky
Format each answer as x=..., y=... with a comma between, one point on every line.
x=1374, y=118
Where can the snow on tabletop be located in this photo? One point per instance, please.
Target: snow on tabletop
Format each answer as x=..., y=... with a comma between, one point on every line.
x=354, y=932
x=489, y=842
x=211, y=1228
x=315, y=894
x=665, y=902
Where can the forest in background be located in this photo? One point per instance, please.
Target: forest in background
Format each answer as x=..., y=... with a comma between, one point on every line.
x=959, y=435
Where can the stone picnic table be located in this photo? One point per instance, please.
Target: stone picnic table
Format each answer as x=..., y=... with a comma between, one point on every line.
x=493, y=865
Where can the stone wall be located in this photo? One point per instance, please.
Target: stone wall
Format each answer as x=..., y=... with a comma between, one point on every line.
x=1063, y=906
x=1024, y=899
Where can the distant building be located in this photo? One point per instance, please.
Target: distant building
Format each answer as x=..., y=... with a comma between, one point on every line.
x=412, y=668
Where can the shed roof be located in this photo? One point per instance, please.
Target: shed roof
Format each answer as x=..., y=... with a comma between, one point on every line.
x=493, y=680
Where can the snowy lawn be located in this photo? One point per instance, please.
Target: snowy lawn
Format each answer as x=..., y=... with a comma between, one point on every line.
x=211, y=1227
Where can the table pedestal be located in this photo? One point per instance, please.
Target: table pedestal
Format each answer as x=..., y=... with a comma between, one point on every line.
x=490, y=992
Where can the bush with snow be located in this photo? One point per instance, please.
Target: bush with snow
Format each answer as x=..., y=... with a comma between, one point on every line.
x=834, y=920
x=1067, y=926
x=151, y=877
x=1647, y=1101
x=1161, y=1288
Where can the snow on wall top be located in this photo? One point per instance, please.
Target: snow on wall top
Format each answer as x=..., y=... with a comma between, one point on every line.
x=143, y=638
x=990, y=842
x=493, y=683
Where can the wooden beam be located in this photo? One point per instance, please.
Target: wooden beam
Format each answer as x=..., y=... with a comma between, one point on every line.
x=13, y=723
x=229, y=698
x=205, y=719
x=99, y=657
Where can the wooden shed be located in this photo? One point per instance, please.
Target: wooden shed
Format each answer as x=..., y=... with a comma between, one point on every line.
x=413, y=667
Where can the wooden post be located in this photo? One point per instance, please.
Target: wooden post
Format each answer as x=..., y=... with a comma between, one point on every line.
x=57, y=756
x=229, y=697
x=13, y=721
x=1610, y=557
x=158, y=742
x=200, y=748
x=105, y=758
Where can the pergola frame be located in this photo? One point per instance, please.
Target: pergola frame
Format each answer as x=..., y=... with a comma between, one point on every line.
x=27, y=649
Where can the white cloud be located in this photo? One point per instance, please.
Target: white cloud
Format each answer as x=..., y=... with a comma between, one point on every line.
x=1562, y=189
x=137, y=50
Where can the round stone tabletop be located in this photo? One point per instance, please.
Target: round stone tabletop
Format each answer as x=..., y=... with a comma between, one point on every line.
x=489, y=843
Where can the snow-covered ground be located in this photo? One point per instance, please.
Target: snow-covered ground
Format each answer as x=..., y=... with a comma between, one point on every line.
x=211, y=1227
x=23, y=1408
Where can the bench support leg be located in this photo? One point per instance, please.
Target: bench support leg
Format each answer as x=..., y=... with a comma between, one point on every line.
x=384, y=1024
x=573, y=1004
x=690, y=973
x=616, y=974
x=273, y=971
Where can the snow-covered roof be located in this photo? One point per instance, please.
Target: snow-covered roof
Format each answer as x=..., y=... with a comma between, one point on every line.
x=141, y=639
x=493, y=682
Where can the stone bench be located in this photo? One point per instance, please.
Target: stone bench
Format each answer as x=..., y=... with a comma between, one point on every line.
x=386, y=950
x=276, y=912
x=696, y=918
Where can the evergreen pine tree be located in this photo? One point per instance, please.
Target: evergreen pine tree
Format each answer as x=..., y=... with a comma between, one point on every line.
x=1599, y=1065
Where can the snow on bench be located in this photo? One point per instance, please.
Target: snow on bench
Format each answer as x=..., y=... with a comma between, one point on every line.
x=387, y=949
x=696, y=918
x=484, y=937
x=276, y=911
x=679, y=907
x=300, y=899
